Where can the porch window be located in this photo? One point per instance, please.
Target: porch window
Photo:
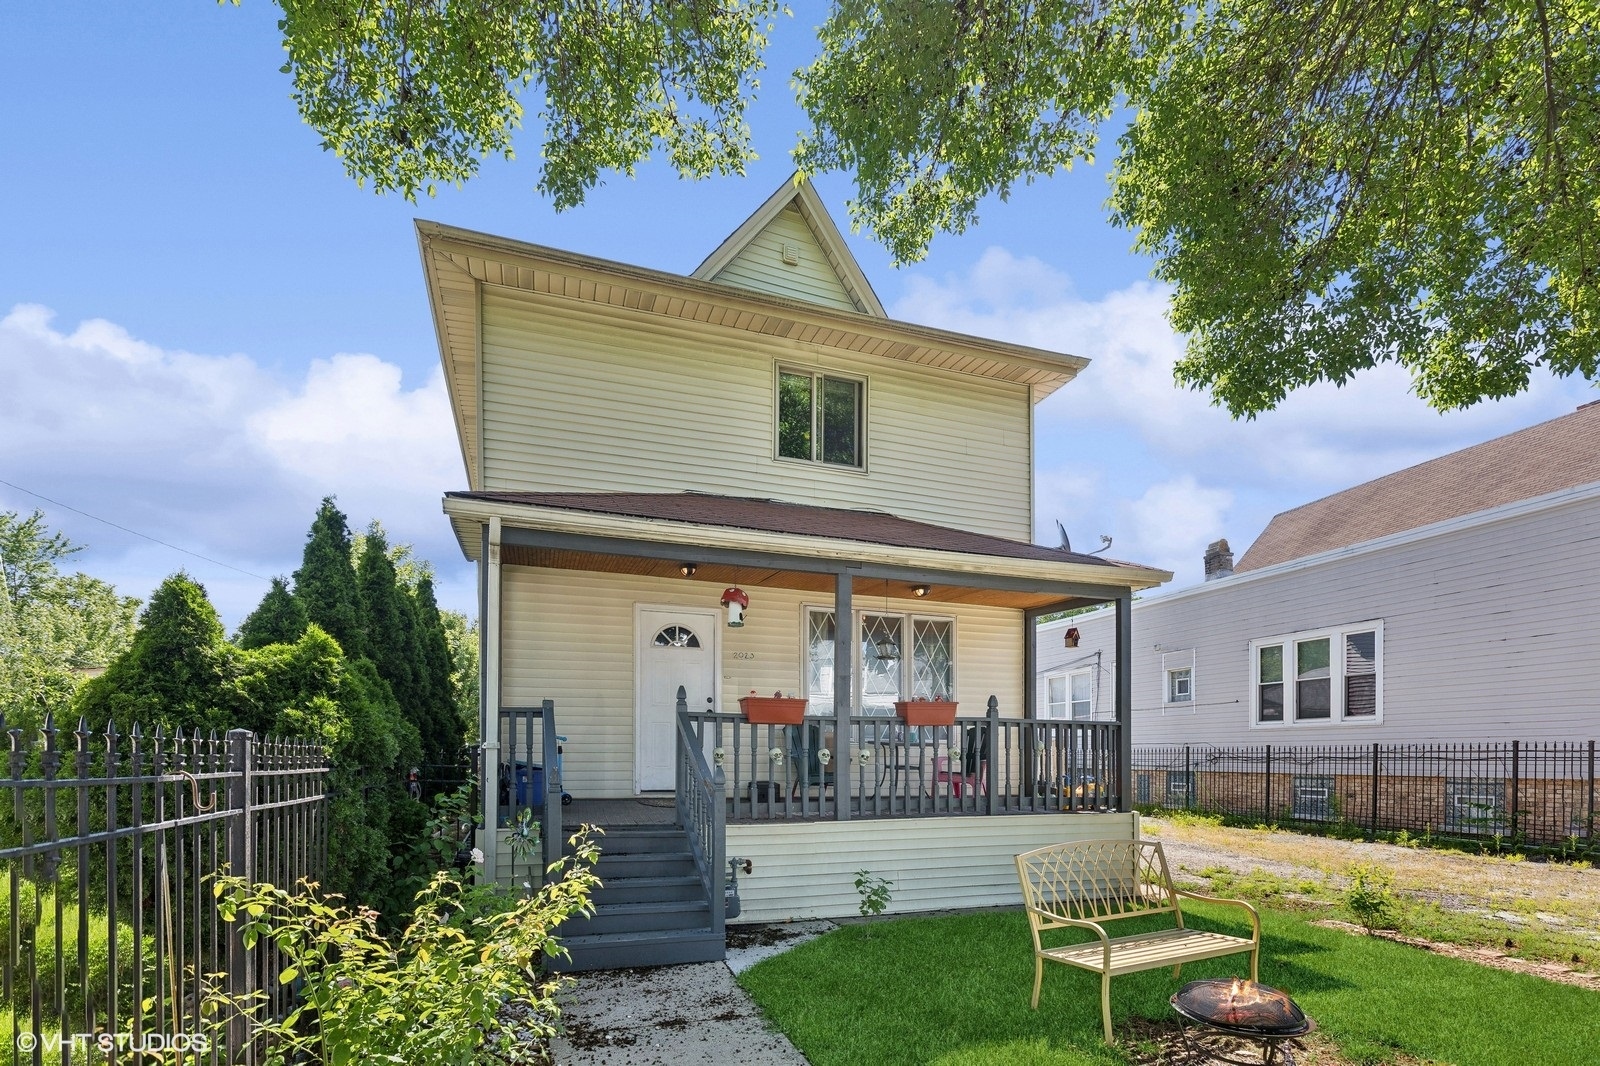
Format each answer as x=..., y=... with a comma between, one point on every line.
x=820, y=417
x=1319, y=676
x=924, y=666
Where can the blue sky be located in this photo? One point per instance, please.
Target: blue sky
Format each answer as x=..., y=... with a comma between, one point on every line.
x=205, y=326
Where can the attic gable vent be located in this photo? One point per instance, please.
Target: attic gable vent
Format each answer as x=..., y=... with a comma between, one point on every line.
x=791, y=254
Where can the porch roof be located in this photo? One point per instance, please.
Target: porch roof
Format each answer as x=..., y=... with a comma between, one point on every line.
x=801, y=541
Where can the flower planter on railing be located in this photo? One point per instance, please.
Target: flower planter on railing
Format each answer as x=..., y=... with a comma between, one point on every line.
x=773, y=710
x=926, y=712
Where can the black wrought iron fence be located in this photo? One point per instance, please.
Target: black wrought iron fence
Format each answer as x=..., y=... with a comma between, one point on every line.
x=1541, y=793
x=107, y=845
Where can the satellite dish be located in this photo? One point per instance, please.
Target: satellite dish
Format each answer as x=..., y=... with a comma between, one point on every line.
x=1066, y=545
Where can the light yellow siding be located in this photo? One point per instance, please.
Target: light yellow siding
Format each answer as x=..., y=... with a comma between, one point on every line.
x=807, y=869
x=698, y=404
x=569, y=637
x=760, y=265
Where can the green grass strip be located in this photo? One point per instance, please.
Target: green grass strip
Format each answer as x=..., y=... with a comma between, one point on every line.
x=953, y=991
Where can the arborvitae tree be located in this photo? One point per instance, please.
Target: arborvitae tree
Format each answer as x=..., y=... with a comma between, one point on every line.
x=173, y=674
x=389, y=622
x=326, y=585
x=280, y=619
x=437, y=669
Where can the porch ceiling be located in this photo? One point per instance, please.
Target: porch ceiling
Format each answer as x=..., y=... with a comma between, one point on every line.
x=723, y=575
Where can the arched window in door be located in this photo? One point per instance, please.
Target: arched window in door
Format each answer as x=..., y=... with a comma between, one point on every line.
x=676, y=637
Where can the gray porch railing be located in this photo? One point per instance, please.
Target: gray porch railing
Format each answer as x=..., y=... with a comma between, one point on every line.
x=702, y=813
x=529, y=778
x=106, y=848
x=979, y=765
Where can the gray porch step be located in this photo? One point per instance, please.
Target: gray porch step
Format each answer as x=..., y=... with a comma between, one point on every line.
x=636, y=839
x=655, y=916
x=665, y=889
x=645, y=864
x=610, y=952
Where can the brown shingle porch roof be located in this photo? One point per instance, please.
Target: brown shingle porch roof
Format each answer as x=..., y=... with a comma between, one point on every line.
x=776, y=516
x=1559, y=454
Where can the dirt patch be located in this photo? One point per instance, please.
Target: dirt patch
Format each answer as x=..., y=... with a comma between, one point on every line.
x=586, y=1037
x=1165, y=1043
x=761, y=936
x=1550, y=971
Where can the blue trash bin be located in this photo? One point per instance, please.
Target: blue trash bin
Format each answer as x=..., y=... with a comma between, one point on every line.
x=530, y=785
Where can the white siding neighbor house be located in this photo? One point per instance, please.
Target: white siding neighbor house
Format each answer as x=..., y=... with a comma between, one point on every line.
x=676, y=488
x=1456, y=601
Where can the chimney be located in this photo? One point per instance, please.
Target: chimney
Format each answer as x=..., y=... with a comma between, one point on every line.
x=1219, y=560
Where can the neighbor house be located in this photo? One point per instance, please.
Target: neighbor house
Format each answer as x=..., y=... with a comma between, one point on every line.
x=677, y=486
x=1452, y=601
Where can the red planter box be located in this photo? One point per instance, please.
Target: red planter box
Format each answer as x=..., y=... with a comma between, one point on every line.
x=773, y=710
x=926, y=712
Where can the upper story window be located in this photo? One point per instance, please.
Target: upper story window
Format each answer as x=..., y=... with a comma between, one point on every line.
x=821, y=417
x=1321, y=676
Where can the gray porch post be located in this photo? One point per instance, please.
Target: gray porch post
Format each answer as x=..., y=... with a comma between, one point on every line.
x=489, y=696
x=844, y=657
x=1030, y=663
x=1124, y=673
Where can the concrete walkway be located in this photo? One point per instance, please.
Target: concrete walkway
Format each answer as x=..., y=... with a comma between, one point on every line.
x=679, y=1015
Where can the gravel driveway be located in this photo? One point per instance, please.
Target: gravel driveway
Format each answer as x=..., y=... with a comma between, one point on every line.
x=1556, y=895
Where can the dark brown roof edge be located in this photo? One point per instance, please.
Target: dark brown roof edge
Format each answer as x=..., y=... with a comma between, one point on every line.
x=779, y=516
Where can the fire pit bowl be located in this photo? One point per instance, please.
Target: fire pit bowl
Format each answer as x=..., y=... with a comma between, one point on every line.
x=1241, y=1010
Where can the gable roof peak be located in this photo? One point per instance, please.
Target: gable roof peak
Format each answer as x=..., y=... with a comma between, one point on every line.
x=768, y=252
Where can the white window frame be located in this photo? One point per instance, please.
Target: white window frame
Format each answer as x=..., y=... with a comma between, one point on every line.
x=907, y=650
x=1180, y=675
x=817, y=375
x=1336, y=677
x=1061, y=711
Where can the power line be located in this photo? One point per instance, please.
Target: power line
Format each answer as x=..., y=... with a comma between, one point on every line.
x=135, y=532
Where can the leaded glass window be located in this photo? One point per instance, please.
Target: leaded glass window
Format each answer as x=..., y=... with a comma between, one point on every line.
x=932, y=661
x=880, y=676
x=819, y=661
x=677, y=637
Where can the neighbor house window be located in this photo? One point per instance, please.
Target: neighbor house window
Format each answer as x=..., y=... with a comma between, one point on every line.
x=1070, y=695
x=1180, y=685
x=1321, y=676
x=820, y=417
x=924, y=667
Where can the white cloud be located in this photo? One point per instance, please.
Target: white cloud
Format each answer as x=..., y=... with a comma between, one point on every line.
x=1171, y=524
x=217, y=454
x=1145, y=439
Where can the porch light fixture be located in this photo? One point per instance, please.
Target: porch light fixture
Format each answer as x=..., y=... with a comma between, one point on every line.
x=919, y=590
x=737, y=601
x=687, y=569
x=886, y=648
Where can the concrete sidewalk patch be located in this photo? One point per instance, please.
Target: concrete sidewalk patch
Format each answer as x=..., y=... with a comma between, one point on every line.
x=693, y=1015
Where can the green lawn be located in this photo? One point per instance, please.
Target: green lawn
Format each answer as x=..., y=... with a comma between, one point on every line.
x=954, y=991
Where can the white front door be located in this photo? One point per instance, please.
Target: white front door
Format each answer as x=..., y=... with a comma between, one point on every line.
x=676, y=646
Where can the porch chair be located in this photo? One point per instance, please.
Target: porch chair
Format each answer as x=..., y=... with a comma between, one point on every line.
x=810, y=770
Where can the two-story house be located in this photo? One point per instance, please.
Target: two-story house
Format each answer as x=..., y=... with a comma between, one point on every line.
x=686, y=490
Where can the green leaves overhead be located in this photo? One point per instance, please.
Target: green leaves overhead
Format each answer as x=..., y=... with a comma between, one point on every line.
x=1327, y=184
x=409, y=95
x=1330, y=186
x=937, y=105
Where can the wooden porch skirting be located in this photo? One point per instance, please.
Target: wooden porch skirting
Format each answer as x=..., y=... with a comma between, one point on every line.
x=807, y=868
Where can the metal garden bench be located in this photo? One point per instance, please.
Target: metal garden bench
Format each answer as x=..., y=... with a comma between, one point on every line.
x=1086, y=883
